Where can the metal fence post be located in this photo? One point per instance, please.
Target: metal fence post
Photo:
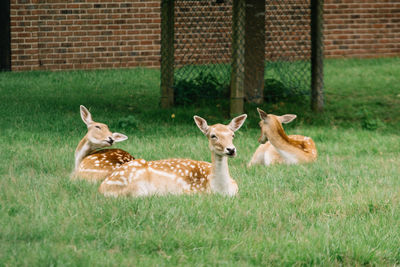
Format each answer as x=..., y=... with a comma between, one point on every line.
x=5, y=41
x=317, y=56
x=167, y=53
x=238, y=42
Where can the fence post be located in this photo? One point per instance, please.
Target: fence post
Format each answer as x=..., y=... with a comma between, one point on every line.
x=317, y=55
x=238, y=42
x=254, y=62
x=167, y=53
x=5, y=41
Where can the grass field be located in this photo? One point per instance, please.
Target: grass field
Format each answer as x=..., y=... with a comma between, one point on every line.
x=343, y=209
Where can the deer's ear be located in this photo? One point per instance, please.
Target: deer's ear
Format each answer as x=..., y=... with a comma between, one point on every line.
x=201, y=123
x=286, y=118
x=263, y=114
x=237, y=122
x=86, y=116
x=119, y=137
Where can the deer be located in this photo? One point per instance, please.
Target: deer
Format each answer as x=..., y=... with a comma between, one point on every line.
x=181, y=176
x=276, y=147
x=92, y=162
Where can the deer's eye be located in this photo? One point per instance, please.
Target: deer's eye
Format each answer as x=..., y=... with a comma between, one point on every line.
x=213, y=136
x=233, y=136
x=98, y=127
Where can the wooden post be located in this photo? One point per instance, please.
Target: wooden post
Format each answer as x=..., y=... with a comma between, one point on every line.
x=5, y=37
x=167, y=53
x=238, y=43
x=254, y=61
x=317, y=56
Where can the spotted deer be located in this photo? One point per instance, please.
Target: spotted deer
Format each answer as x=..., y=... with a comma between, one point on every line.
x=181, y=176
x=91, y=161
x=281, y=148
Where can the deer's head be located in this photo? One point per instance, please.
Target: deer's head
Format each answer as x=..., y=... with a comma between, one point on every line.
x=98, y=133
x=271, y=124
x=220, y=136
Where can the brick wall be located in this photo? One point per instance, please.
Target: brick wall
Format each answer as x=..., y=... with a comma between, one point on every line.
x=367, y=28
x=84, y=34
x=96, y=34
x=288, y=30
x=202, y=32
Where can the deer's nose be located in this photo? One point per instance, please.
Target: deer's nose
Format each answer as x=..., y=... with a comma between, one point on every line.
x=231, y=151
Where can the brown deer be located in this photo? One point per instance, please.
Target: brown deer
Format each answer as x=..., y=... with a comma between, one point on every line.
x=281, y=148
x=181, y=176
x=91, y=161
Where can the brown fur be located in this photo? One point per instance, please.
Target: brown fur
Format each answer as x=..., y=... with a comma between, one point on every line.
x=180, y=176
x=281, y=148
x=91, y=163
x=108, y=161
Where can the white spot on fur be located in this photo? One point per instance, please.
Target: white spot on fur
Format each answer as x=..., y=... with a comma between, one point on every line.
x=137, y=174
x=172, y=176
x=112, y=182
x=123, y=179
x=134, y=163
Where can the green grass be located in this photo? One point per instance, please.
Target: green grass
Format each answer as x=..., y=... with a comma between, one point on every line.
x=343, y=209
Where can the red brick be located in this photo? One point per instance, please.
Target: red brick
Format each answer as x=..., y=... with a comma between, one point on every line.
x=54, y=35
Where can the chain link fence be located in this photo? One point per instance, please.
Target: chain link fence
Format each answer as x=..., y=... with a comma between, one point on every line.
x=275, y=37
x=203, y=36
x=288, y=46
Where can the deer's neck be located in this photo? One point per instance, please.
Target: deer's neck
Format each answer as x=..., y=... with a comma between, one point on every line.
x=278, y=138
x=82, y=150
x=220, y=179
x=285, y=146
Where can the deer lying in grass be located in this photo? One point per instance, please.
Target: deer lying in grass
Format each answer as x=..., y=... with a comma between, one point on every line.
x=181, y=176
x=90, y=162
x=281, y=148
